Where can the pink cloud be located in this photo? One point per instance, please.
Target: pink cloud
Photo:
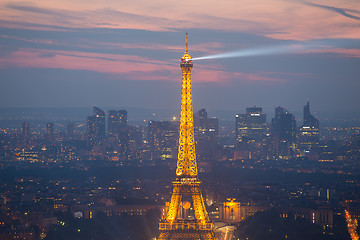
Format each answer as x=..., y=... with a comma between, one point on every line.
x=274, y=18
x=339, y=51
x=208, y=47
x=104, y=63
x=127, y=66
x=42, y=41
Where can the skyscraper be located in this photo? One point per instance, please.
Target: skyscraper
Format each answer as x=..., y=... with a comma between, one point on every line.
x=206, y=136
x=200, y=121
x=309, y=131
x=91, y=130
x=119, y=132
x=70, y=130
x=162, y=139
x=50, y=131
x=310, y=120
x=250, y=130
x=26, y=135
x=251, y=125
x=96, y=127
x=116, y=121
x=213, y=129
x=283, y=133
x=99, y=122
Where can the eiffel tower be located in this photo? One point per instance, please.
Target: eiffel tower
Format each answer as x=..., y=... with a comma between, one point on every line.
x=187, y=184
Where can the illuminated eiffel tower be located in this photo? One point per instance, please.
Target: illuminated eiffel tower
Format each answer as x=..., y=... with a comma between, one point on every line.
x=186, y=185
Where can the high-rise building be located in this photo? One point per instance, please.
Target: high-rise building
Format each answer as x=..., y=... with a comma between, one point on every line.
x=206, y=137
x=251, y=125
x=119, y=132
x=162, y=139
x=250, y=131
x=309, y=131
x=200, y=121
x=96, y=127
x=70, y=130
x=50, y=131
x=310, y=120
x=213, y=129
x=283, y=133
x=99, y=122
x=26, y=135
x=205, y=128
x=136, y=139
x=116, y=120
x=91, y=130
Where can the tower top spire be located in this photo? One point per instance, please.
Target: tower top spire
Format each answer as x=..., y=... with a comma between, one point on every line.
x=186, y=58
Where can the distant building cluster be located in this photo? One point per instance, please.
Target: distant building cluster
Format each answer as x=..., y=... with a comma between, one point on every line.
x=282, y=139
x=109, y=136
x=116, y=140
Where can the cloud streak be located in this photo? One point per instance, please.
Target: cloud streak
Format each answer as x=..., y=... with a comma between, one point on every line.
x=341, y=11
x=121, y=66
x=103, y=63
x=304, y=20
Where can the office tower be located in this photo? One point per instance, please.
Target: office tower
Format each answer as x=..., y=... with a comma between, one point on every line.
x=116, y=121
x=162, y=139
x=50, y=131
x=99, y=122
x=309, y=131
x=310, y=120
x=70, y=130
x=119, y=132
x=213, y=129
x=206, y=137
x=26, y=135
x=200, y=121
x=205, y=128
x=283, y=133
x=251, y=125
x=200, y=126
x=250, y=131
x=91, y=130
x=136, y=138
x=96, y=127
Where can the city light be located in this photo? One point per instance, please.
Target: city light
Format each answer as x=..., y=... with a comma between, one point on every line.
x=352, y=225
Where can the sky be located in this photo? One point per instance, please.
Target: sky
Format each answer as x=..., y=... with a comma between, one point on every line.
x=125, y=54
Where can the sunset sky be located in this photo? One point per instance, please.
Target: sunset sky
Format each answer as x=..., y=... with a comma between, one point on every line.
x=125, y=54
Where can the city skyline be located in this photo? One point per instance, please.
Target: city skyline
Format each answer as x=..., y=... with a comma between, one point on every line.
x=240, y=163
x=275, y=169
x=54, y=55
x=139, y=150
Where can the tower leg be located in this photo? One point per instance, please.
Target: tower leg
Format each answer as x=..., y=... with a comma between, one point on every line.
x=174, y=205
x=199, y=206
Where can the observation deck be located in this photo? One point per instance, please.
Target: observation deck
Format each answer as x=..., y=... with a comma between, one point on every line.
x=164, y=226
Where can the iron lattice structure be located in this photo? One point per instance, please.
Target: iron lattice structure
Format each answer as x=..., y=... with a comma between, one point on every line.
x=187, y=182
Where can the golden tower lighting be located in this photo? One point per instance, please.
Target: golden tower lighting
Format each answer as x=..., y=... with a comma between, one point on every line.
x=186, y=184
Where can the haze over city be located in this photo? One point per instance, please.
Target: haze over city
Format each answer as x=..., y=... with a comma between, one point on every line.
x=173, y=120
